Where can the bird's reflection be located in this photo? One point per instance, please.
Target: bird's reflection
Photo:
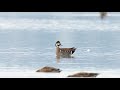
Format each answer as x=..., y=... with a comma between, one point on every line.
x=58, y=58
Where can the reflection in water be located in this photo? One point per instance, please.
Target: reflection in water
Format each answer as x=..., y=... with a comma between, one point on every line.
x=60, y=57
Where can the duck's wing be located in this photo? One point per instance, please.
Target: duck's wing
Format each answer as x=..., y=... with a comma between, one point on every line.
x=67, y=50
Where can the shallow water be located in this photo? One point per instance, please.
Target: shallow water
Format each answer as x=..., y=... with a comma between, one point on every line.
x=28, y=41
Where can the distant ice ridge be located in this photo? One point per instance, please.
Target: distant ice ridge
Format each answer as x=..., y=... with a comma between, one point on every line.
x=57, y=25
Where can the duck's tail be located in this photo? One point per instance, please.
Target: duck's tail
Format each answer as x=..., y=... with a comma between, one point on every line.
x=73, y=50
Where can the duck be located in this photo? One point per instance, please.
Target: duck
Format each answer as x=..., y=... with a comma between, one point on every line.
x=103, y=14
x=64, y=52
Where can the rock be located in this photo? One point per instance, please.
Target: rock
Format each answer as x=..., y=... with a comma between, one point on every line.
x=84, y=74
x=49, y=69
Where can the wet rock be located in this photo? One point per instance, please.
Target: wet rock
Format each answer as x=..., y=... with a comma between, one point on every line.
x=84, y=74
x=49, y=69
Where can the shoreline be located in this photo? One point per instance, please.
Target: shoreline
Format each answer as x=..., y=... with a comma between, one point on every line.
x=63, y=74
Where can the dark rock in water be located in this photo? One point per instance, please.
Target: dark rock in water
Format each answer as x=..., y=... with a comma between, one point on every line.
x=84, y=74
x=49, y=69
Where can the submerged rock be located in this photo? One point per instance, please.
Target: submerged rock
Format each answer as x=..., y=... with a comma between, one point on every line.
x=84, y=74
x=49, y=69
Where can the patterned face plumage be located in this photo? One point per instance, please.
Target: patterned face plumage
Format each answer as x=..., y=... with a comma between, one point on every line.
x=58, y=44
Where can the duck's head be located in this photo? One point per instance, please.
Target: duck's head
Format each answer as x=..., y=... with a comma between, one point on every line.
x=57, y=44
